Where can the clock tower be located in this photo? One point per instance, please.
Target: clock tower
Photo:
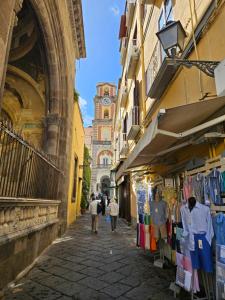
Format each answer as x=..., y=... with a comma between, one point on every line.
x=102, y=149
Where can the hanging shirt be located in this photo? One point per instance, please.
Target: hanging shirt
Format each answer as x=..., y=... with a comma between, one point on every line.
x=159, y=212
x=198, y=221
x=214, y=186
x=187, y=187
x=198, y=187
x=219, y=228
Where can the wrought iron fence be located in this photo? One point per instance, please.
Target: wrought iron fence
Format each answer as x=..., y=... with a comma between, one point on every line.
x=24, y=171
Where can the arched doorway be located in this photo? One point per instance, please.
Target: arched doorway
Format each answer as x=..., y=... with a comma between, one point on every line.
x=105, y=185
x=41, y=60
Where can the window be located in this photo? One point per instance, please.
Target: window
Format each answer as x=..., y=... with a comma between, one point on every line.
x=168, y=11
x=165, y=16
x=105, y=161
x=106, y=114
x=74, y=195
x=106, y=91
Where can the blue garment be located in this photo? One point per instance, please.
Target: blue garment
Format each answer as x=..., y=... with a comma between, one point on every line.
x=198, y=187
x=141, y=218
x=158, y=212
x=219, y=228
x=201, y=257
x=214, y=186
x=220, y=249
x=198, y=221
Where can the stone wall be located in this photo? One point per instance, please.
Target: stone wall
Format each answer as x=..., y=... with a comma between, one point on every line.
x=27, y=227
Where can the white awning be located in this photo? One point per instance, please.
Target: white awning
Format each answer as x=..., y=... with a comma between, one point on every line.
x=172, y=125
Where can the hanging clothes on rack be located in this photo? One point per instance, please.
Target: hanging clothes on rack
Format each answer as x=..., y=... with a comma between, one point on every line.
x=219, y=228
x=198, y=232
x=214, y=186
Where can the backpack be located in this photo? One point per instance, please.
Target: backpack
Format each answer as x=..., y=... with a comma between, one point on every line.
x=99, y=208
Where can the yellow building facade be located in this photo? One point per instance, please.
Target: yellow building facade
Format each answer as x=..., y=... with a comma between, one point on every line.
x=76, y=166
x=162, y=111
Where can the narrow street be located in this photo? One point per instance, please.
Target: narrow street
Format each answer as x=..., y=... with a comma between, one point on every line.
x=82, y=265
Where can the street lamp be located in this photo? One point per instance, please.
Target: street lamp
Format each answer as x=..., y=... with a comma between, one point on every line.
x=172, y=37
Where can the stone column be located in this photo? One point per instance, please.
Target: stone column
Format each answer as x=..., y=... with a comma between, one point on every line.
x=52, y=122
x=8, y=19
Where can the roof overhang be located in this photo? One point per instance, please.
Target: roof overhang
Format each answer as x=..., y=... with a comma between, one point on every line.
x=173, y=129
x=77, y=24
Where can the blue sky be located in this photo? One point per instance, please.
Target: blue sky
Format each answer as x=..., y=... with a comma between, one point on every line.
x=101, y=24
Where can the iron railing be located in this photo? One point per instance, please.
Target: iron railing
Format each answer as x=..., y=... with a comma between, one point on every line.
x=24, y=171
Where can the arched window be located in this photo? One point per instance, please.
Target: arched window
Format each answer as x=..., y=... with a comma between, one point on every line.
x=105, y=161
x=106, y=114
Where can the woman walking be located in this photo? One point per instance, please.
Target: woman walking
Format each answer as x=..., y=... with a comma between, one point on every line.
x=114, y=212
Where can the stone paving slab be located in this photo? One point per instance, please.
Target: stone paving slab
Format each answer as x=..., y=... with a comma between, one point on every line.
x=86, y=266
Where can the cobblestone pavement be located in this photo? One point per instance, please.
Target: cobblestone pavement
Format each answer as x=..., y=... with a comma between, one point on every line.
x=82, y=265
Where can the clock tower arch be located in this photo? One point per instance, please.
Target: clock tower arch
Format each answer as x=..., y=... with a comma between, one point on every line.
x=105, y=102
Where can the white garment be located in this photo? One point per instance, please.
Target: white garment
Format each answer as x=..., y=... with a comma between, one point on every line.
x=93, y=207
x=114, y=209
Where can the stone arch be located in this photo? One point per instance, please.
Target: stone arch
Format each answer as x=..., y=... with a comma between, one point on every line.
x=57, y=68
x=104, y=153
x=60, y=53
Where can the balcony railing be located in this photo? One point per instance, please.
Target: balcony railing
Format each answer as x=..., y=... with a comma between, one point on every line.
x=153, y=67
x=124, y=147
x=24, y=171
x=103, y=166
x=133, y=124
x=132, y=57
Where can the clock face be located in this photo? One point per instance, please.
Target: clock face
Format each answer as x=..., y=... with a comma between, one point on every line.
x=106, y=101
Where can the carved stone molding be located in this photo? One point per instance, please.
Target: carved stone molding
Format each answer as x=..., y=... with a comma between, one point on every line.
x=18, y=6
x=18, y=217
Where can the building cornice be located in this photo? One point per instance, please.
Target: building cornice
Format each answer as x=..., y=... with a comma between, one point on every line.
x=76, y=18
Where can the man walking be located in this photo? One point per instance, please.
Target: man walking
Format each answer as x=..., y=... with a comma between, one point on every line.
x=94, y=214
x=114, y=212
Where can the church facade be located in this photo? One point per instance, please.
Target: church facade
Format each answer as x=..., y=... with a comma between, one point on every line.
x=102, y=148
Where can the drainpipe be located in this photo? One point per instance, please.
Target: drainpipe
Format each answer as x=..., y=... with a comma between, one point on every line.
x=143, y=86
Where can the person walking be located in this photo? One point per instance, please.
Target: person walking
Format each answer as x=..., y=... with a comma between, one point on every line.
x=94, y=214
x=114, y=212
x=103, y=204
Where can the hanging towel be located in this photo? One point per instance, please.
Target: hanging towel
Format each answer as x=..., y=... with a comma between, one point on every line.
x=153, y=245
x=147, y=240
x=142, y=236
x=147, y=219
x=138, y=235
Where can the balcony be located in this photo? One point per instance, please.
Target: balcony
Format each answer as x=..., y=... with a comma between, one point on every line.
x=148, y=1
x=123, y=146
x=132, y=58
x=103, y=166
x=123, y=50
x=133, y=124
x=159, y=73
x=130, y=12
x=124, y=97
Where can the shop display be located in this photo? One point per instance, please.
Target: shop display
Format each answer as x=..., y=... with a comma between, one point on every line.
x=159, y=214
x=185, y=214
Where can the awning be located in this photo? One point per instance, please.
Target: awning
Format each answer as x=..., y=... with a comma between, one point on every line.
x=169, y=130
